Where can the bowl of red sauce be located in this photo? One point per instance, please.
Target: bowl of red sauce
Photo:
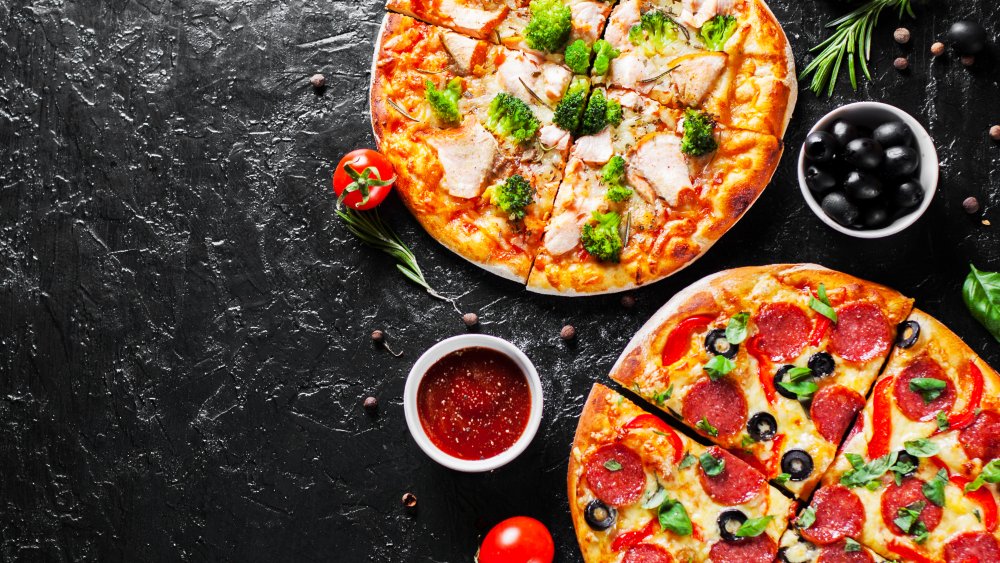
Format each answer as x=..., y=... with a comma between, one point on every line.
x=473, y=402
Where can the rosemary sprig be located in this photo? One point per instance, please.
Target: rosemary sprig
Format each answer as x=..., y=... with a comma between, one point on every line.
x=851, y=39
x=369, y=227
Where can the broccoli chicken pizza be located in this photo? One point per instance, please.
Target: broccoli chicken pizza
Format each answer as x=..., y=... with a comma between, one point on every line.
x=579, y=146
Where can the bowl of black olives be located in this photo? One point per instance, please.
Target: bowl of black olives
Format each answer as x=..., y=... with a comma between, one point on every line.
x=868, y=169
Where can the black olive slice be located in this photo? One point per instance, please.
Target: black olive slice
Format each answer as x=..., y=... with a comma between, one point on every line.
x=797, y=463
x=783, y=556
x=762, y=427
x=822, y=364
x=729, y=522
x=779, y=376
x=717, y=344
x=907, y=334
x=906, y=457
x=599, y=516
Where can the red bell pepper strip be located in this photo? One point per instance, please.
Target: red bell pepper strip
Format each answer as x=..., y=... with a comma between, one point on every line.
x=908, y=552
x=650, y=421
x=679, y=339
x=819, y=330
x=859, y=425
x=959, y=420
x=878, y=446
x=628, y=539
x=983, y=497
x=763, y=370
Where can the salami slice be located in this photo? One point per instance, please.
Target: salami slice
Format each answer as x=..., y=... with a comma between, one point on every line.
x=978, y=547
x=835, y=554
x=901, y=496
x=782, y=330
x=833, y=408
x=615, y=474
x=982, y=438
x=862, y=333
x=910, y=402
x=720, y=402
x=738, y=482
x=647, y=553
x=760, y=549
x=839, y=514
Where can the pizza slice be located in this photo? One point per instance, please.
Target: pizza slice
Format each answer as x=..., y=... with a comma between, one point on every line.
x=729, y=58
x=771, y=362
x=646, y=195
x=641, y=492
x=468, y=128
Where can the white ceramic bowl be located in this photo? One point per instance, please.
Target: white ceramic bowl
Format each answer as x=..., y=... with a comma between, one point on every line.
x=440, y=350
x=872, y=114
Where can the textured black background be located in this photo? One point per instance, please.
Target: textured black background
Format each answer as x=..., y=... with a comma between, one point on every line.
x=184, y=323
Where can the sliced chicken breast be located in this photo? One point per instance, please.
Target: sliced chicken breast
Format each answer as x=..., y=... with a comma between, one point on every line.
x=658, y=160
x=467, y=155
x=595, y=149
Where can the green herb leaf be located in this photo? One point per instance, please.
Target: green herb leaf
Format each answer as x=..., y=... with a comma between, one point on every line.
x=804, y=389
x=850, y=546
x=707, y=427
x=921, y=447
x=934, y=489
x=806, y=518
x=718, y=367
x=981, y=293
x=712, y=465
x=754, y=527
x=612, y=465
x=942, y=420
x=736, y=329
x=989, y=474
x=867, y=474
x=798, y=374
x=822, y=305
x=663, y=396
x=687, y=461
x=674, y=517
x=782, y=478
x=929, y=388
x=908, y=516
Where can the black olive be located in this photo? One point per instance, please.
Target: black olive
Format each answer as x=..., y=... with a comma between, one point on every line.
x=717, y=344
x=762, y=427
x=840, y=209
x=729, y=522
x=907, y=334
x=904, y=457
x=822, y=364
x=779, y=376
x=874, y=217
x=820, y=181
x=861, y=185
x=893, y=134
x=844, y=132
x=900, y=162
x=968, y=37
x=821, y=146
x=797, y=463
x=783, y=556
x=864, y=153
x=909, y=194
x=599, y=516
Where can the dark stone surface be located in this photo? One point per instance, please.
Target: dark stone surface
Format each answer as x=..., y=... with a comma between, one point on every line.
x=184, y=323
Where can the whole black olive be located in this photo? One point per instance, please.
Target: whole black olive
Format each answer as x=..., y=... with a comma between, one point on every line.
x=840, y=209
x=968, y=37
x=909, y=194
x=729, y=522
x=844, y=132
x=820, y=181
x=821, y=146
x=797, y=463
x=762, y=427
x=599, y=516
x=864, y=153
x=717, y=344
x=900, y=162
x=861, y=185
x=907, y=334
x=893, y=134
x=779, y=376
x=822, y=364
x=874, y=217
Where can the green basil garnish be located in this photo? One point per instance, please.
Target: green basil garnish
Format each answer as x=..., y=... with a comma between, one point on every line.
x=921, y=447
x=612, y=465
x=934, y=489
x=806, y=518
x=718, y=367
x=754, y=527
x=928, y=387
x=712, y=465
x=989, y=474
x=736, y=330
x=687, y=461
x=851, y=546
x=981, y=293
x=705, y=426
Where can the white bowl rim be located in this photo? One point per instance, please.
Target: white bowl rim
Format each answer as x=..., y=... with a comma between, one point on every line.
x=445, y=347
x=929, y=170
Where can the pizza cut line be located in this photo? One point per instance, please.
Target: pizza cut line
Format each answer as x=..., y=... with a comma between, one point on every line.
x=607, y=163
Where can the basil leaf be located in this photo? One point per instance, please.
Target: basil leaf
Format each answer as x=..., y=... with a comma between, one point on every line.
x=707, y=427
x=981, y=293
x=782, y=478
x=806, y=518
x=656, y=499
x=754, y=527
x=921, y=447
x=736, y=330
x=674, y=517
x=989, y=474
x=928, y=387
x=804, y=389
x=612, y=465
x=934, y=489
x=822, y=305
x=798, y=374
x=908, y=516
x=712, y=465
x=687, y=461
x=867, y=474
x=942, y=420
x=851, y=546
x=718, y=367
x=664, y=396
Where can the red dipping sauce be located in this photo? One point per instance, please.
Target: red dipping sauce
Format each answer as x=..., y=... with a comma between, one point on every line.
x=474, y=403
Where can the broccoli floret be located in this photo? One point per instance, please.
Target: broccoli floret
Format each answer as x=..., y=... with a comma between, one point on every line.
x=445, y=102
x=655, y=31
x=513, y=196
x=601, y=239
x=717, y=31
x=600, y=111
x=510, y=117
x=577, y=56
x=570, y=109
x=615, y=112
x=699, y=131
x=604, y=53
x=613, y=176
x=551, y=22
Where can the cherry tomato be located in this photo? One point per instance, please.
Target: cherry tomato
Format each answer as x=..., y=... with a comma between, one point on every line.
x=362, y=180
x=518, y=540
